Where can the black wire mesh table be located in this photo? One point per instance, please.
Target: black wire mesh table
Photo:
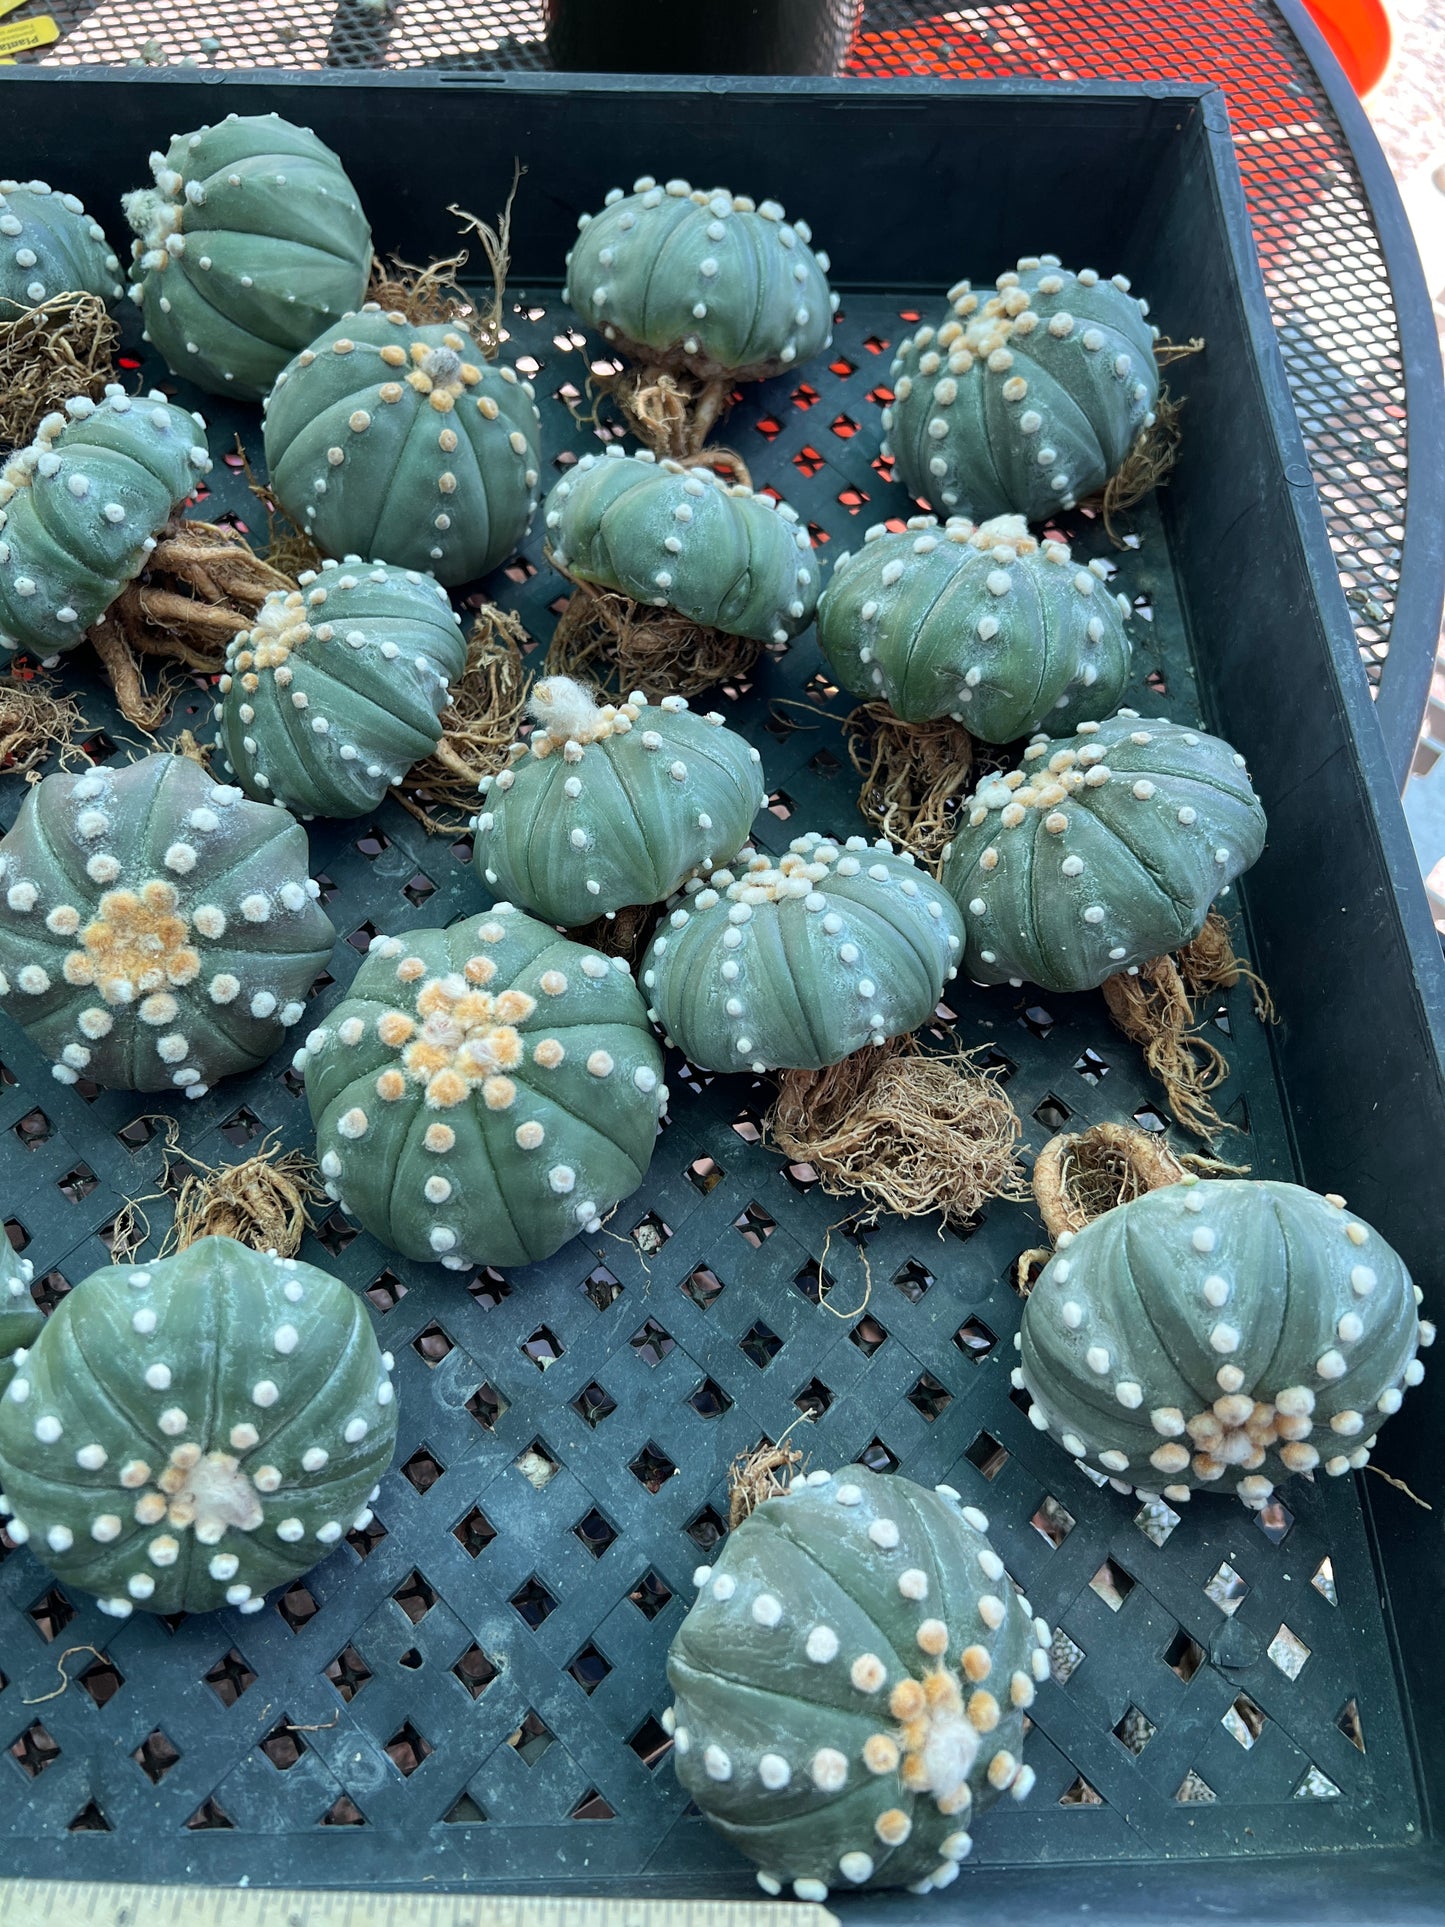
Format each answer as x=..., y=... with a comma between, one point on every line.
x=1349, y=303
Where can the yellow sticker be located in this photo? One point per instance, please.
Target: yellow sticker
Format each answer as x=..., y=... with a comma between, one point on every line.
x=21, y=35
x=9, y=6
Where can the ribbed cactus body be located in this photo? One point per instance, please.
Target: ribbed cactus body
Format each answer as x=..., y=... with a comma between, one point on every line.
x=1221, y=1334
x=685, y=539
x=49, y=245
x=703, y=280
x=484, y=1092
x=607, y=806
x=851, y=1683
x=384, y=438
x=984, y=624
x=250, y=243
x=797, y=963
x=157, y=932
x=188, y=1433
x=20, y=1318
x=1024, y=401
x=1102, y=851
x=81, y=507
x=339, y=687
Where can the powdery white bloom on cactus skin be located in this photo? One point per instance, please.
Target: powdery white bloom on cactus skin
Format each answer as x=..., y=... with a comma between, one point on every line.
x=406, y=442
x=249, y=242
x=846, y=1768
x=1102, y=850
x=500, y=1094
x=701, y=280
x=339, y=687
x=139, y=972
x=172, y=1503
x=611, y=804
x=1230, y=1407
x=49, y=245
x=1026, y=400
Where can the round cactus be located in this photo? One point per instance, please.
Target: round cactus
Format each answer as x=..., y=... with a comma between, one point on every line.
x=1220, y=1333
x=49, y=245
x=20, y=1318
x=706, y=281
x=156, y=931
x=684, y=539
x=851, y=1684
x=484, y=1092
x=80, y=510
x=188, y=1434
x=337, y=690
x=1025, y=401
x=986, y=625
x=614, y=805
x=250, y=243
x=404, y=441
x=1104, y=850
x=796, y=965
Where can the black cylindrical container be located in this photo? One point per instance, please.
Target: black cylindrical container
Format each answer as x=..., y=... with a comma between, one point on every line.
x=708, y=37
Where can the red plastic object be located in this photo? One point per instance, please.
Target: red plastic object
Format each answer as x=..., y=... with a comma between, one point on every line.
x=1359, y=35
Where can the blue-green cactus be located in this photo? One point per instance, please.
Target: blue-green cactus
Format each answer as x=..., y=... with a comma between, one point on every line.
x=49, y=245
x=20, y=1317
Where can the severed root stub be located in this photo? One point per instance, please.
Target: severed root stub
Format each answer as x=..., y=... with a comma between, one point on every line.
x=910, y=1132
x=915, y=775
x=478, y=727
x=1149, y=462
x=606, y=638
x=669, y=410
x=764, y=1473
x=262, y=1202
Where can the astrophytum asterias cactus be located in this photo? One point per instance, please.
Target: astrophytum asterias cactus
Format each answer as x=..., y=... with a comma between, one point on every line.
x=984, y=624
x=49, y=245
x=189, y=1433
x=20, y=1317
x=605, y=806
x=1104, y=850
x=80, y=510
x=704, y=280
x=1025, y=401
x=337, y=690
x=250, y=243
x=685, y=539
x=1220, y=1333
x=404, y=441
x=484, y=1092
x=851, y=1684
x=157, y=931
x=795, y=964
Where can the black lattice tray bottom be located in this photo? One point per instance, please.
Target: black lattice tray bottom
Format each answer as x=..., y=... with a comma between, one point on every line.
x=470, y=1690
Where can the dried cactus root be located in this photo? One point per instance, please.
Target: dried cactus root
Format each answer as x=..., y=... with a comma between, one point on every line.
x=909, y=1132
x=914, y=775
x=765, y=1473
x=1078, y=1176
x=286, y=548
x=1153, y=1010
x=479, y=726
x=606, y=638
x=669, y=411
x=625, y=934
x=435, y=294
x=35, y=723
x=1210, y=963
x=49, y=354
x=1149, y=461
x=262, y=1202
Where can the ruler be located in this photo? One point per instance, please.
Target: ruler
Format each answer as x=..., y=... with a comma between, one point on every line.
x=64, y=1903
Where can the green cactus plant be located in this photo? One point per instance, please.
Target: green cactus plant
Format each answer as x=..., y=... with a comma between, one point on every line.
x=796, y=965
x=484, y=1092
x=156, y=931
x=611, y=805
x=851, y=1683
x=188, y=1433
x=1102, y=851
x=402, y=440
x=80, y=510
x=250, y=243
x=705, y=281
x=1025, y=401
x=20, y=1319
x=339, y=687
x=983, y=624
x=1220, y=1334
x=49, y=245
x=684, y=539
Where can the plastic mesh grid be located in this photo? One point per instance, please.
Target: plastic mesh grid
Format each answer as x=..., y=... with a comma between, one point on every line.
x=1324, y=270
x=470, y=1689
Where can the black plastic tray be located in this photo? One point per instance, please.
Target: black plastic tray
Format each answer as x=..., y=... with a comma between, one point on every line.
x=689, y=1328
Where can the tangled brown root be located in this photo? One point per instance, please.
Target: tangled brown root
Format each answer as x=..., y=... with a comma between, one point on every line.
x=914, y=776
x=624, y=935
x=909, y=1132
x=606, y=638
x=668, y=410
x=1210, y=963
x=1152, y=1008
x=435, y=294
x=262, y=1202
x=1078, y=1176
x=35, y=723
x=764, y=1473
x=478, y=727
x=48, y=355
x=1149, y=462
x=286, y=547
